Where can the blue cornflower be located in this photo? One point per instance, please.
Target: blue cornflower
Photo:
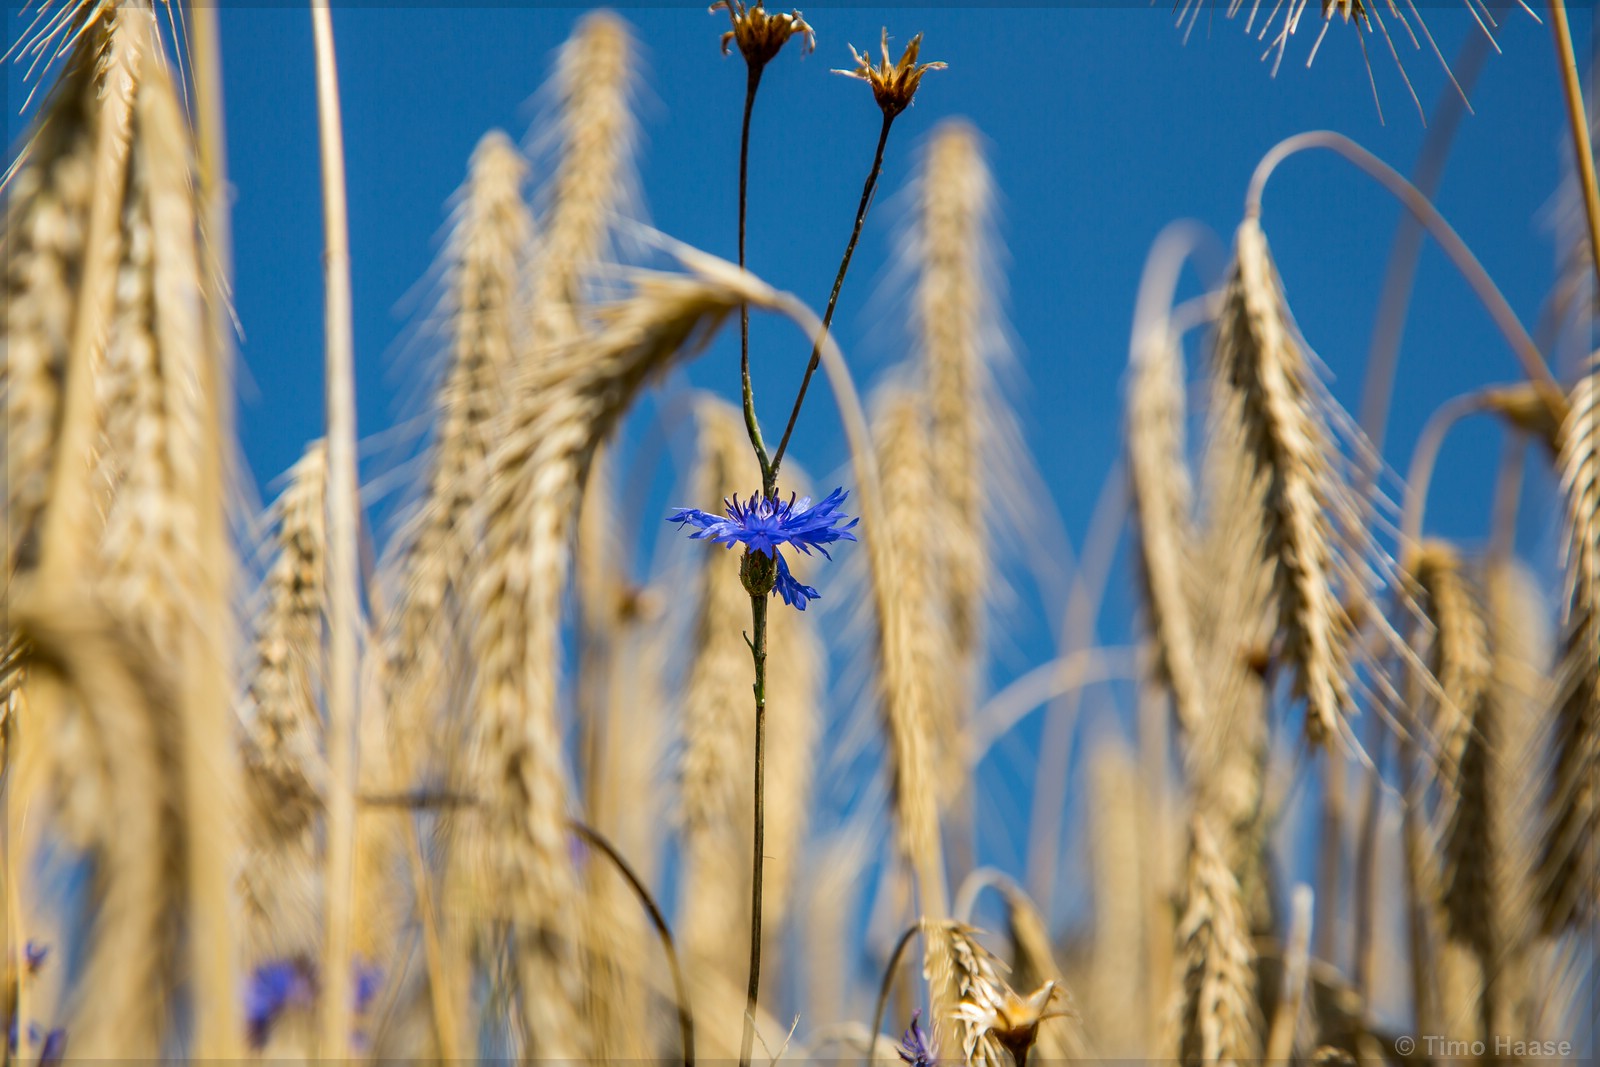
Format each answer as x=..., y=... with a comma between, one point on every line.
x=762, y=525
x=34, y=952
x=274, y=988
x=914, y=1048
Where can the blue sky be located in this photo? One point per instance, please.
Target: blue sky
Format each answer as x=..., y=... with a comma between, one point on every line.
x=1103, y=126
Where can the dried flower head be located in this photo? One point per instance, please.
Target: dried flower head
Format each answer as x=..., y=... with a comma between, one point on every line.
x=893, y=84
x=762, y=35
x=999, y=1012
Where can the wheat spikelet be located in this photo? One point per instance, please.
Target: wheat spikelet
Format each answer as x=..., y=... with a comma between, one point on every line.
x=955, y=320
x=192, y=552
x=1460, y=655
x=47, y=218
x=1230, y=588
x=1273, y=391
x=1216, y=1015
x=914, y=639
x=483, y=311
x=1486, y=883
x=595, y=130
x=1158, y=469
x=285, y=772
x=1569, y=860
x=565, y=404
x=960, y=971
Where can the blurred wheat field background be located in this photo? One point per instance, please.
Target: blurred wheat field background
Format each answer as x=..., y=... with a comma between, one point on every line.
x=1214, y=675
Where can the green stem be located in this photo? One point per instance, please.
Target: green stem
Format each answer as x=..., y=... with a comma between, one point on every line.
x=833, y=298
x=758, y=652
x=768, y=483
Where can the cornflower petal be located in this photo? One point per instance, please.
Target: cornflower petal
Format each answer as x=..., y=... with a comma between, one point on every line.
x=764, y=525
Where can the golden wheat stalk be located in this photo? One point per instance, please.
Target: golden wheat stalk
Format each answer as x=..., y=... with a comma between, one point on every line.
x=1487, y=889
x=164, y=560
x=1569, y=858
x=593, y=181
x=1158, y=468
x=47, y=218
x=1216, y=1014
x=955, y=322
x=285, y=770
x=1273, y=390
x=913, y=639
x=565, y=404
x=488, y=242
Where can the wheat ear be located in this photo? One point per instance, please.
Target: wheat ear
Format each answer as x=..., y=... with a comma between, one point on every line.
x=47, y=219
x=165, y=559
x=956, y=329
x=1217, y=1015
x=1158, y=467
x=285, y=771
x=1259, y=360
x=594, y=179
x=1570, y=859
x=490, y=234
x=565, y=404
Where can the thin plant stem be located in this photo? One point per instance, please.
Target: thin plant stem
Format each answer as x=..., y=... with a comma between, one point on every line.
x=1331, y=855
x=1280, y=1038
x=1450, y=242
x=1572, y=89
x=664, y=931
x=1423, y=457
x=751, y=424
x=343, y=681
x=885, y=985
x=838, y=283
x=758, y=653
x=758, y=602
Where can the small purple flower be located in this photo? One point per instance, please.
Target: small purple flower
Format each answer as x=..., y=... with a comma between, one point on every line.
x=53, y=1048
x=368, y=982
x=763, y=525
x=34, y=953
x=914, y=1048
x=274, y=988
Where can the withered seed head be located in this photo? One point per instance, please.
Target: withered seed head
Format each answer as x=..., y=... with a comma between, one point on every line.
x=762, y=35
x=893, y=84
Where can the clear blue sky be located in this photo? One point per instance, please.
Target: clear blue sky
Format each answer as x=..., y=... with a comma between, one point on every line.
x=1103, y=127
